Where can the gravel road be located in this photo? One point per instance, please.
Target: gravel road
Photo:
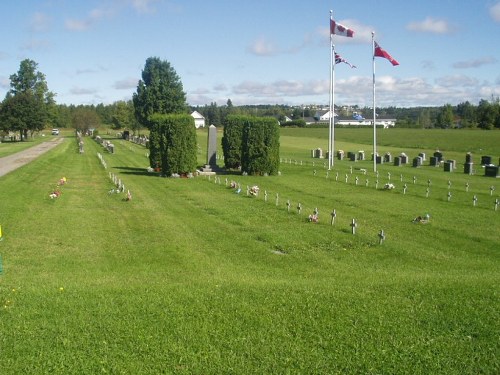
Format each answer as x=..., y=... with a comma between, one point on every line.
x=14, y=161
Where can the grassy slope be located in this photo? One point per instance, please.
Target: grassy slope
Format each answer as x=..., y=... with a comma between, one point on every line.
x=190, y=277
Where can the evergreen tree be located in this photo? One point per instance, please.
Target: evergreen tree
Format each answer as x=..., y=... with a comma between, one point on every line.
x=159, y=92
x=260, y=146
x=175, y=136
x=445, y=118
x=231, y=140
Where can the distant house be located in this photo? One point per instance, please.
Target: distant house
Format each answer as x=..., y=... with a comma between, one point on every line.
x=199, y=120
x=356, y=119
x=361, y=121
x=323, y=116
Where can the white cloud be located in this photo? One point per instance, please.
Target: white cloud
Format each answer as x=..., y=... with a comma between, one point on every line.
x=36, y=44
x=430, y=25
x=126, y=84
x=475, y=62
x=93, y=16
x=4, y=83
x=220, y=87
x=40, y=22
x=262, y=47
x=77, y=25
x=82, y=91
x=457, y=81
x=143, y=6
x=428, y=64
x=495, y=12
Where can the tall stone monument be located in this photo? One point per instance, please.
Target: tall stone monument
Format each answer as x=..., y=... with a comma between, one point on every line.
x=211, y=165
x=212, y=147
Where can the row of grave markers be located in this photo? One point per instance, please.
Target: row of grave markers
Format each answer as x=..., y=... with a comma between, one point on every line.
x=119, y=186
x=314, y=217
x=435, y=161
x=390, y=186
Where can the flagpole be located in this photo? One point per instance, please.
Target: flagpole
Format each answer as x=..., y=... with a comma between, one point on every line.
x=331, y=124
x=374, y=110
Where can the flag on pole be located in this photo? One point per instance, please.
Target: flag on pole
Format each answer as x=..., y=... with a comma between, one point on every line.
x=379, y=52
x=338, y=29
x=339, y=59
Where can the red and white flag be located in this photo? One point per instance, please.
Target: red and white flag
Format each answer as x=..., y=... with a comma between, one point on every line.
x=338, y=29
x=379, y=52
x=339, y=59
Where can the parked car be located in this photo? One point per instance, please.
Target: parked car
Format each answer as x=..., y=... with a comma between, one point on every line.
x=55, y=131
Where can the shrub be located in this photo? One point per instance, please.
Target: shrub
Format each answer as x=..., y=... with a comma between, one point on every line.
x=174, y=142
x=231, y=140
x=260, y=146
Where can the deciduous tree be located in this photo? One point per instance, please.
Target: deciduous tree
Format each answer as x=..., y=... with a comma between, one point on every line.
x=30, y=99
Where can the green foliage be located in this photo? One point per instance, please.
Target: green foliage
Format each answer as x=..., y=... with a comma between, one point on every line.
x=159, y=91
x=300, y=123
x=260, y=146
x=176, y=136
x=154, y=145
x=232, y=140
x=84, y=118
x=488, y=114
x=29, y=104
x=445, y=118
x=123, y=116
x=21, y=112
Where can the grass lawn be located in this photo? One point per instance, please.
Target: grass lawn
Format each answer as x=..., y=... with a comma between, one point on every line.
x=191, y=278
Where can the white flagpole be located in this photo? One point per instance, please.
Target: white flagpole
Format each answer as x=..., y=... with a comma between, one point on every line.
x=331, y=127
x=374, y=110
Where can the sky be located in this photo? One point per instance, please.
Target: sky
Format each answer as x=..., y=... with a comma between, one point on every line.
x=259, y=51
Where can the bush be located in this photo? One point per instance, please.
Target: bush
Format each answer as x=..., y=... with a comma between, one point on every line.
x=173, y=137
x=260, y=146
x=231, y=140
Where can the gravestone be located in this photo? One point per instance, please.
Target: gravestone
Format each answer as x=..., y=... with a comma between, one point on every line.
x=491, y=171
x=468, y=157
x=340, y=155
x=379, y=159
x=361, y=155
x=434, y=161
x=448, y=166
x=388, y=157
x=404, y=158
x=397, y=161
x=453, y=163
x=352, y=156
x=207, y=170
x=485, y=160
x=417, y=161
x=438, y=155
x=212, y=146
x=422, y=155
x=468, y=168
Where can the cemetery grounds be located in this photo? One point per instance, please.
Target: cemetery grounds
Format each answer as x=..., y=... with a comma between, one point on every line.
x=190, y=277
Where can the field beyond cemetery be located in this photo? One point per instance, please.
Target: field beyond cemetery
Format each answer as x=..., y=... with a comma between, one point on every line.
x=190, y=277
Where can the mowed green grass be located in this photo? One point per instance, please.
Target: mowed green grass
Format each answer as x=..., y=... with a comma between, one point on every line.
x=190, y=277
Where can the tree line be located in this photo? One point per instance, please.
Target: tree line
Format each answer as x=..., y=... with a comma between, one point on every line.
x=30, y=107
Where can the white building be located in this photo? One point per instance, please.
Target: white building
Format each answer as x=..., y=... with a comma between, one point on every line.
x=199, y=120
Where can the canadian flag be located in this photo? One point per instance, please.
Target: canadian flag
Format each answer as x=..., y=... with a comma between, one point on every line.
x=379, y=52
x=338, y=29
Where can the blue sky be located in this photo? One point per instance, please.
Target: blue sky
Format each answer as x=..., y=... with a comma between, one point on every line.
x=259, y=51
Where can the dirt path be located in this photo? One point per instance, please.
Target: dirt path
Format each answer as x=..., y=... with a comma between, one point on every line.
x=14, y=161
